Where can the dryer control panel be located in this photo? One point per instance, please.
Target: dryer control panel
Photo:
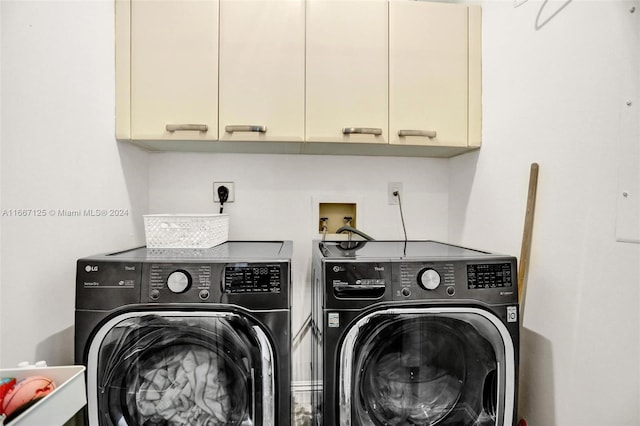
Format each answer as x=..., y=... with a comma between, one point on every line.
x=254, y=278
x=242, y=282
x=247, y=274
x=176, y=281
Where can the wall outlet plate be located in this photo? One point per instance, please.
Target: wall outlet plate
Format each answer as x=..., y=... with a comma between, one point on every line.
x=393, y=187
x=230, y=187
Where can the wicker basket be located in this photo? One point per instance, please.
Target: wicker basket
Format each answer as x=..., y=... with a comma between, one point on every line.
x=186, y=230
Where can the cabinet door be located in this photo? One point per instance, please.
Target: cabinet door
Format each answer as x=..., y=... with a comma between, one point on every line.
x=262, y=70
x=174, y=69
x=347, y=71
x=428, y=65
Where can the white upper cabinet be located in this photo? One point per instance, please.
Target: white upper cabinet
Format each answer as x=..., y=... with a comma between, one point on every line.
x=262, y=70
x=429, y=79
x=359, y=77
x=174, y=69
x=347, y=71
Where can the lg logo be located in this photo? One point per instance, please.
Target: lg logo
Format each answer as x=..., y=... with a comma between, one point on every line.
x=91, y=268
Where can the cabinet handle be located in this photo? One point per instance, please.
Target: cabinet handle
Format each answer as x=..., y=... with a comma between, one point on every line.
x=361, y=131
x=244, y=128
x=177, y=127
x=425, y=133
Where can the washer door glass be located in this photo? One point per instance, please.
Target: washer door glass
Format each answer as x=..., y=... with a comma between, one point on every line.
x=422, y=369
x=181, y=369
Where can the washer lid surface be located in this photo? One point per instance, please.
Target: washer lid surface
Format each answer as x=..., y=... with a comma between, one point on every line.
x=379, y=249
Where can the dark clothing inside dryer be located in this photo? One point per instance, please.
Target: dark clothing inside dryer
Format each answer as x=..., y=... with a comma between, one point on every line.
x=423, y=371
x=179, y=371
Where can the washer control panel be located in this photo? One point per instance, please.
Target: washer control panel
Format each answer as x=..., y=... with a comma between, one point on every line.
x=358, y=280
x=429, y=279
x=487, y=281
x=489, y=275
x=420, y=280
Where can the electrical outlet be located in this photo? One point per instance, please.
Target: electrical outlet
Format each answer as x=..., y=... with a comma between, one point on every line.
x=229, y=185
x=392, y=188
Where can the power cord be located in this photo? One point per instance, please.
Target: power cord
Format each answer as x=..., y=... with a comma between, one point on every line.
x=404, y=228
x=223, y=195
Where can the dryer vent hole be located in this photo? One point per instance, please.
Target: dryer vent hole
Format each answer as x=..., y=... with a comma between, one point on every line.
x=490, y=394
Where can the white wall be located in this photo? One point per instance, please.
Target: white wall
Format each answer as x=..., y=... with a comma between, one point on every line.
x=58, y=152
x=557, y=96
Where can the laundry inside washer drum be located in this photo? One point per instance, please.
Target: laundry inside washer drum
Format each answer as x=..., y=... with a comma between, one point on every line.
x=179, y=372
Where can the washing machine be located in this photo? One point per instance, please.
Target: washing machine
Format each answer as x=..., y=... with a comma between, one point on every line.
x=414, y=333
x=186, y=336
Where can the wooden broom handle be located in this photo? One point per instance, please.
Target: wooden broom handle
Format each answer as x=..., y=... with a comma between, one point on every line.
x=525, y=252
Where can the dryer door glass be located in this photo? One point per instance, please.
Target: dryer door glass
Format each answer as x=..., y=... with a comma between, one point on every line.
x=421, y=368
x=181, y=369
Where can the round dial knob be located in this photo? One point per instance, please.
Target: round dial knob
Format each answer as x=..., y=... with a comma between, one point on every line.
x=179, y=281
x=429, y=279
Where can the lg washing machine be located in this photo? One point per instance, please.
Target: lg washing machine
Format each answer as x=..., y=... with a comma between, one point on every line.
x=414, y=333
x=186, y=336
